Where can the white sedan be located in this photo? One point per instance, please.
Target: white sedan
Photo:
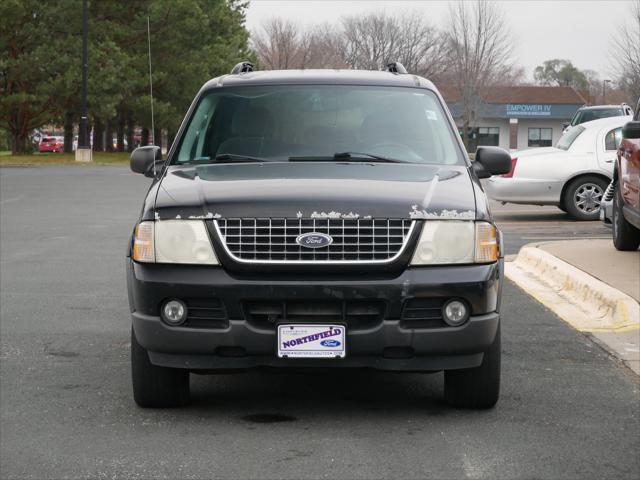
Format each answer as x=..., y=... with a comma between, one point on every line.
x=573, y=175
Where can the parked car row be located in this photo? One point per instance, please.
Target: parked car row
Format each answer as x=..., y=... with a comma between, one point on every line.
x=573, y=175
x=593, y=172
x=55, y=144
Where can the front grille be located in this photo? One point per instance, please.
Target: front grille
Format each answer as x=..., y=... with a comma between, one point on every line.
x=423, y=313
x=206, y=313
x=273, y=240
x=356, y=314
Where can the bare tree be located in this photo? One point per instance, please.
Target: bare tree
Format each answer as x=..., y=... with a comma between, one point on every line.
x=281, y=44
x=594, y=85
x=421, y=47
x=326, y=47
x=370, y=41
x=373, y=40
x=626, y=54
x=480, y=53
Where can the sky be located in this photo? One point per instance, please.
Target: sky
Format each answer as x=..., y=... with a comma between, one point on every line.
x=579, y=31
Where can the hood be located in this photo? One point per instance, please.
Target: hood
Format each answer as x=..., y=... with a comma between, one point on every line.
x=315, y=190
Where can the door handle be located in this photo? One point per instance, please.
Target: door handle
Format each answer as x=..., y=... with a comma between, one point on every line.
x=609, y=161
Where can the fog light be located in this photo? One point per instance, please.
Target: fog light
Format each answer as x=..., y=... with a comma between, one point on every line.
x=174, y=312
x=455, y=313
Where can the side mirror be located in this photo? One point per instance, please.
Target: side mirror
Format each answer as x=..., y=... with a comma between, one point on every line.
x=565, y=125
x=631, y=130
x=143, y=159
x=491, y=161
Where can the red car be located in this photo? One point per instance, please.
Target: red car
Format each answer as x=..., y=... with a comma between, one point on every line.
x=625, y=211
x=51, y=144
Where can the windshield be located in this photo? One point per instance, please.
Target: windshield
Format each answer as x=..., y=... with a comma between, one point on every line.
x=316, y=122
x=596, y=113
x=567, y=139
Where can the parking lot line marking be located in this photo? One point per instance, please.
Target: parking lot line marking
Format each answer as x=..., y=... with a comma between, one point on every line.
x=542, y=222
x=574, y=237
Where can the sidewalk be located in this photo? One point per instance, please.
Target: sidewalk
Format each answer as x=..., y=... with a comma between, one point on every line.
x=601, y=260
x=590, y=285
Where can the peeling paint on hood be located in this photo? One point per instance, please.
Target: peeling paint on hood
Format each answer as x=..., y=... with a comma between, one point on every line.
x=334, y=215
x=321, y=191
x=441, y=215
x=208, y=216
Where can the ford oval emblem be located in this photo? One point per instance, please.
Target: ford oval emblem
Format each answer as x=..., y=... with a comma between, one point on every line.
x=330, y=343
x=314, y=240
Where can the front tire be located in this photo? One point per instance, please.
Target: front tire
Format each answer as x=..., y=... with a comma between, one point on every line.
x=153, y=386
x=479, y=387
x=625, y=236
x=583, y=196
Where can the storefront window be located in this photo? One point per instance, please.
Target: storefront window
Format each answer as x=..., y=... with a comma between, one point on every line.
x=540, y=137
x=482, y=136
x=488, y=136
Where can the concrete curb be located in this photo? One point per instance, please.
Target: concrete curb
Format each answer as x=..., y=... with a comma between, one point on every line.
x=586, y=303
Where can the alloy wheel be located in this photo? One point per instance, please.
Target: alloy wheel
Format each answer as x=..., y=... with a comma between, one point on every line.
x=588, y=197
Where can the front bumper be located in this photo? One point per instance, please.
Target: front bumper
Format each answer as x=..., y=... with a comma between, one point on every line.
x=387, y=343
x=524, y=190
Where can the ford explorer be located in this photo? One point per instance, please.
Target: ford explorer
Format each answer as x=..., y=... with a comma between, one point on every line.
x=316, y=219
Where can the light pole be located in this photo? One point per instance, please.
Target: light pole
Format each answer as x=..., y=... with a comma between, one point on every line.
x=83, y=150
x=604, y=84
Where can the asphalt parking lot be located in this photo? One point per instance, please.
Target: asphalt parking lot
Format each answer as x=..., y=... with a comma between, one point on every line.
x=567, y=409
x=523, y=224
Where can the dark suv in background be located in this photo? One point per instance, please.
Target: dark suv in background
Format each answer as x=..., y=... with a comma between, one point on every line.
x=316, y=219
x=621, y=202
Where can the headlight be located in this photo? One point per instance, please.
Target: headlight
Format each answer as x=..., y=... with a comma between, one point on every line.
x=445, y=242
x=173, y=241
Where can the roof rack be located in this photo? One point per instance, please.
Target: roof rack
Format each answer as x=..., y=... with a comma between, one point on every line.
x=396, y=67
x=242, y=67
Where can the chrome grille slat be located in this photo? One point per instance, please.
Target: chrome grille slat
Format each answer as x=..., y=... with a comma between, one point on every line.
x=273, y=240
x=333, y=245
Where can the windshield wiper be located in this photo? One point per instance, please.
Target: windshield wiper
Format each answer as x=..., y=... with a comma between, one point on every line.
x=232, y=157
x=360, y=156
x=224, y=158
x=347, y=156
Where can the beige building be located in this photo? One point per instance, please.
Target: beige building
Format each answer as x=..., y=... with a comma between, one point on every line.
x=518, y=117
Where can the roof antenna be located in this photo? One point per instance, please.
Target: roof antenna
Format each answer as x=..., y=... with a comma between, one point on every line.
x=153, y=126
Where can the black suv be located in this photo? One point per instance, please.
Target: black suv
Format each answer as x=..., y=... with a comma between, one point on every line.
x=316, y=219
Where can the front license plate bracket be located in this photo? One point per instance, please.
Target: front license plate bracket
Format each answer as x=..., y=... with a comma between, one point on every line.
x=307, y=340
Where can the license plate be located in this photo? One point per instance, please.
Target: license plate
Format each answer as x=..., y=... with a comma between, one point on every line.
x=311, y=341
